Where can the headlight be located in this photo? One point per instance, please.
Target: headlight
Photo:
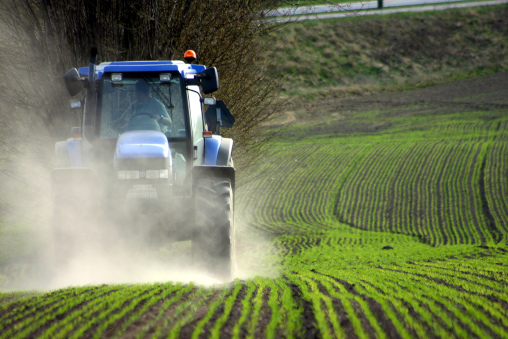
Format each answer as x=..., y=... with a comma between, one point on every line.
x=148, y=174
x=164, y=174
x=165, y=77
x=157, y=174
x=116, y=77
x=122, y=175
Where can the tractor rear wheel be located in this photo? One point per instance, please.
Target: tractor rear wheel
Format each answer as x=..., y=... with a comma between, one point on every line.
x=213, y=244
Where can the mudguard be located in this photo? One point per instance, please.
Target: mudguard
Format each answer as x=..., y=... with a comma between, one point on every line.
x=218, y=151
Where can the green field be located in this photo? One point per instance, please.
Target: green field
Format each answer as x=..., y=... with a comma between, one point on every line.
x=382, y=223
x=373, y=216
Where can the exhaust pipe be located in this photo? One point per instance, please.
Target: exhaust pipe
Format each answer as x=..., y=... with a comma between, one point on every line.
x=91, y=98
x=91, y=67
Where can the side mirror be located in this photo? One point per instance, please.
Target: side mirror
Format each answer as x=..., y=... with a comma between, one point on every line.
x=73, y=82
x=218, y=116
x=209, y=79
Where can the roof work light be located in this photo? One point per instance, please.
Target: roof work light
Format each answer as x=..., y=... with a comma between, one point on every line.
x=189, y=56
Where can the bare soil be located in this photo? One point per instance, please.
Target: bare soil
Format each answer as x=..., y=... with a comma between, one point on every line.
x=487, y=93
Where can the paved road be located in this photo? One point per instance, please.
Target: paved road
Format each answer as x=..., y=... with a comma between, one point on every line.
x=355, y=6
x=366, y=8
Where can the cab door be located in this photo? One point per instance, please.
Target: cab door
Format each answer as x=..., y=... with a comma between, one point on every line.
x=197, y=127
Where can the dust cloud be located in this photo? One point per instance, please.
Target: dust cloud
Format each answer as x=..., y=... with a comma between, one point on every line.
x=256, y=255
x=101, y=250
x=98, y=248
x=99, y=260
x=110, y=254
x=108, y=247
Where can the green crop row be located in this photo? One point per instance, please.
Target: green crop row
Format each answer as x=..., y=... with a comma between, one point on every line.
x=337, y=284
x=412, y=299
x=303, y=203
x=389, y=190
x=496, y=186
x=31, y=321
x=444, y=190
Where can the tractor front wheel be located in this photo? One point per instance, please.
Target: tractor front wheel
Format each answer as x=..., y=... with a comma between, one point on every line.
x=213, y=244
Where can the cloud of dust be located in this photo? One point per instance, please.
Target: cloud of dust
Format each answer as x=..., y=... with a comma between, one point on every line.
x=94, y=245
x=109, y=251
x=257, y=256
x=115, y=248
x=98, y=249
x=105, y=251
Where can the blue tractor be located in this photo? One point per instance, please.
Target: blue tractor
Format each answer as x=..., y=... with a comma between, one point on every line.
x=148, y=154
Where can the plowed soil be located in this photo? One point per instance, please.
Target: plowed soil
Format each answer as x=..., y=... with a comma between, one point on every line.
x=481, y=93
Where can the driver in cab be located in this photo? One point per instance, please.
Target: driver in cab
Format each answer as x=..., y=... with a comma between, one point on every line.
x=148, y=110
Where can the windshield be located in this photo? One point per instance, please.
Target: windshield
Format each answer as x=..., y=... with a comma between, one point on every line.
x=140, y=101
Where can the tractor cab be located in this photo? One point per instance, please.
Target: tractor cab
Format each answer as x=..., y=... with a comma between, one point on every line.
x=140, y=101
x=138, y=104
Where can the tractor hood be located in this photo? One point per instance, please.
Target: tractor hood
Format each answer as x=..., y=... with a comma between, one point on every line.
x=142, y=144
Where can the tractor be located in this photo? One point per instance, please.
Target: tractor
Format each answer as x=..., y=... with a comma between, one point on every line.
x=148, y=154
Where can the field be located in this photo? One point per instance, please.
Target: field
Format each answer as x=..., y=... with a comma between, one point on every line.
x=387, y=216
x=381, y=216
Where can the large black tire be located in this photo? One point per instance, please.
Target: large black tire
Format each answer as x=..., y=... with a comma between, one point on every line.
x=213, y=244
